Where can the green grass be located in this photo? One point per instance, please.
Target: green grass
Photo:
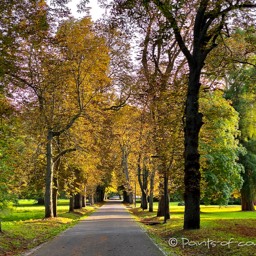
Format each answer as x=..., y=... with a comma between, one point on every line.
x=219, y=225
x=24, y=226
x=28, y=209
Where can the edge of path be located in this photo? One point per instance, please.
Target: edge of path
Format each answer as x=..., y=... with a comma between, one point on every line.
x=155, y=240
x=34, y=249
x=159, y=243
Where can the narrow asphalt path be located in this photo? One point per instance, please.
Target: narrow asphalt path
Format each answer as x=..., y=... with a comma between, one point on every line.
x=110, y=231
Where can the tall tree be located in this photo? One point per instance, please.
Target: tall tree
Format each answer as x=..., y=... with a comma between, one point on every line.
x=61, y=80
x=210, y=20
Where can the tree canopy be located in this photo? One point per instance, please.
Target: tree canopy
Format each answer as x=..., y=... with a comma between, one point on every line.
x=159, y=94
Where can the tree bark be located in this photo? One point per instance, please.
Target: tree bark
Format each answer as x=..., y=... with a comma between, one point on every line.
x=143, y=186
x=55, y=195
x=163, y=204
x=49, y=177
x=162, y=209
x=55, y=185
x=40, y=201
x=144, y=201
x=128, y=198
x=100, y=192
x=192, y=177
x=83, y=201
x=78, y=204
x=71, y=204
x=91, y=199
x=151, y=190
x=84, y=197
x=247, y=192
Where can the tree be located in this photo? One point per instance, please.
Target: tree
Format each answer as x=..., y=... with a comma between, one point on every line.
x=126, y=133
x=219, y=148
x=232, y=65
x=241, y=90
x=21, y=21
x=9, y=143
x=61, y=76
x=203, y=21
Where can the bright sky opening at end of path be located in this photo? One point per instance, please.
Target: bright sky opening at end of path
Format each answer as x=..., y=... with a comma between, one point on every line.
x=95, y=11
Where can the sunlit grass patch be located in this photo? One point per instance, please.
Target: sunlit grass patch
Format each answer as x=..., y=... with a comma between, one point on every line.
x=222, y=230
x=24, y=226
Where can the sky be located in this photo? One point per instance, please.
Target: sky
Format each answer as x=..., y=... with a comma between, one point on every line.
x=96, y=11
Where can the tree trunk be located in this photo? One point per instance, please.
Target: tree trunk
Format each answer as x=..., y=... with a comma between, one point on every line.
x=100, y=192
x=128, y=196
x=55, y=195
x=144, y=201
x=247, y=203
x=125, y=197
x=49, y=177
x=166, y=198
x=78, y=201
x=151, y=191
x=163, y=209
x=163, y=204
x=55, y=186
x=40, y=201
x=83, y=201
x=143, y=186
x=192, y=175
x=247, y=192
x=151, y=202
x=91, y=199
x=84, y=197
x=71, y=204
x=160, y=210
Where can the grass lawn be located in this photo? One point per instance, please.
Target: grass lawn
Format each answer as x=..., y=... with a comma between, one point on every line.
x=224, y=231
x=24, y=228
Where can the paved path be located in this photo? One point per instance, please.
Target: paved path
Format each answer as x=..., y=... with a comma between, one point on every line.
x=110, y=231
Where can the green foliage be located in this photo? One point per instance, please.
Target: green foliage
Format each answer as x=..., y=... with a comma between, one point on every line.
x=8, y=143
x=16, y=149
x=241, y=90
x=219, y=148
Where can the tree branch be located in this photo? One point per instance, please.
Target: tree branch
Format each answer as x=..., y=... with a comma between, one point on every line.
x=120, y=105
x=62, y=153
x=163, y=7
x=69, y=125
x=145, y=50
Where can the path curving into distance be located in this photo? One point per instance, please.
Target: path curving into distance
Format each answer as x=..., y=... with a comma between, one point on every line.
x=110, y=231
